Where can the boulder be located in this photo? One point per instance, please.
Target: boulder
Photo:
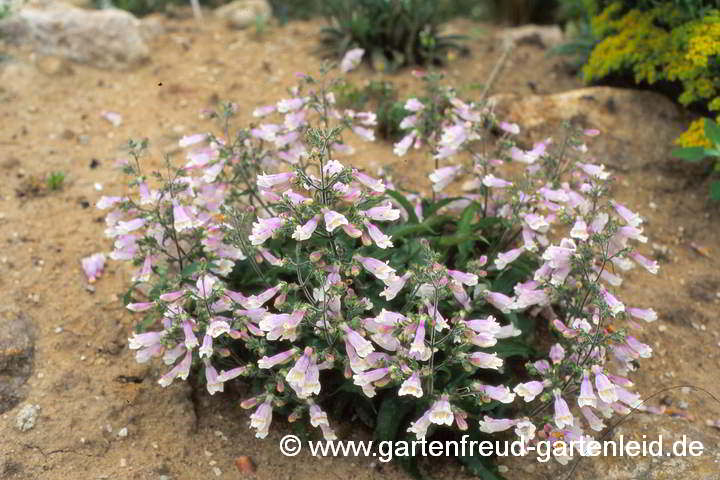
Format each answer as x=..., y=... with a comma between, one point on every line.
x=637, y=127
x=243, y=13
x=109, y=39
x=544, y=36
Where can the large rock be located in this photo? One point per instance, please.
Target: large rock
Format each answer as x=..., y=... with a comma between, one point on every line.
x=243, y=13
x=637, y=127
x=103, y=38
x=544, y=36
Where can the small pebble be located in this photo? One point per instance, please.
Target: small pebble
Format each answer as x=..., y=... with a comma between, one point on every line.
x=123, y=462
x=26, y=417
x=217, y=471
x=123, y=432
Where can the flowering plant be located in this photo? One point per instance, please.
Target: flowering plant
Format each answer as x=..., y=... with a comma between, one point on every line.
x=319, y=284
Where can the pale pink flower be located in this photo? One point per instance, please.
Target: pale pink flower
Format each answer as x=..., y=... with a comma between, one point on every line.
x=262, y=418
x=587, y=394
x=380, y=239
x=189, y=140
x=500, y=301
x=352, y=231
x=304, y=232
x=501, y=393
x=525, y=430
x=529, y=390
x=351, y=59
x=333, y=220
x=494, y=425
x=371, y=183
x=364, y=133
x=393, y=286
x=290, y=105
x=412, y=386
x=648, y=315
x=649, y=265
x=278, y=181
x=420, y=426
x=140, y=306
x=486, y=360
x=492, y=181
x=580, y=230
x=414, y=105
x=557, y=353
x=597, y=171
x=383, y=212
x=505, y=258
x=181, y=371
x=442, y=177
x=362, y=347
x=264, y=228
x=317, y=416
x=605, y=388
x=401, y=147
x=382, y=271
x=93, y=266
x=513, y=128
x=441, y=412
x=563, y=418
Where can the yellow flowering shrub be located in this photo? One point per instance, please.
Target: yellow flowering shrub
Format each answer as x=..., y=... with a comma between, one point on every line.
x=662, y=44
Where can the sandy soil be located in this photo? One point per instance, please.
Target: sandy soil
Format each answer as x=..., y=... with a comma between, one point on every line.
x=85, y=380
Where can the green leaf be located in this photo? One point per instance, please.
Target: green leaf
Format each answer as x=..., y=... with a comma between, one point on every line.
x=450, y=240
x=391, y=416
x=690, y=154
x=476, y=465
x=509, y=347
x=190, y=269
x=400, y=198
x=715, y=190
x=434, y=207
x=712, y=131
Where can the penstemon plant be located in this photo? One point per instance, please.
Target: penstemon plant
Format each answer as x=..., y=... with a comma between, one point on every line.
x=322, y=286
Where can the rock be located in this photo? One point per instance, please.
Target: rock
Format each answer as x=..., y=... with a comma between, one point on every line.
x=544, y=36
x=152, y=26
x=16, y=355
x=245, y=465
x=26, y=417
x=109, y=38
x=54, y=66
x=243, y=13
x=637, y=127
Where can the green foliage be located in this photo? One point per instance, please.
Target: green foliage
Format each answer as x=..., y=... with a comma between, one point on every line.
x=55, y=180
x=697, y=154
x=379, y=96
x=673, y=42
x=286, y=10
x=393, y=33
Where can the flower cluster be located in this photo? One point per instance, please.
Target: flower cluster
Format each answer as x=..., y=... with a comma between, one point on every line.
x=320, y=278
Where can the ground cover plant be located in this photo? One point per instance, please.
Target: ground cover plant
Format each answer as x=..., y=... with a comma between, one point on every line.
x=331, y=292
x=672, y=45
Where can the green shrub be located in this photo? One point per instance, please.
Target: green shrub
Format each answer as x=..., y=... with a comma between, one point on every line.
x=394, y=33
x=671, y=42
x=697, y=154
